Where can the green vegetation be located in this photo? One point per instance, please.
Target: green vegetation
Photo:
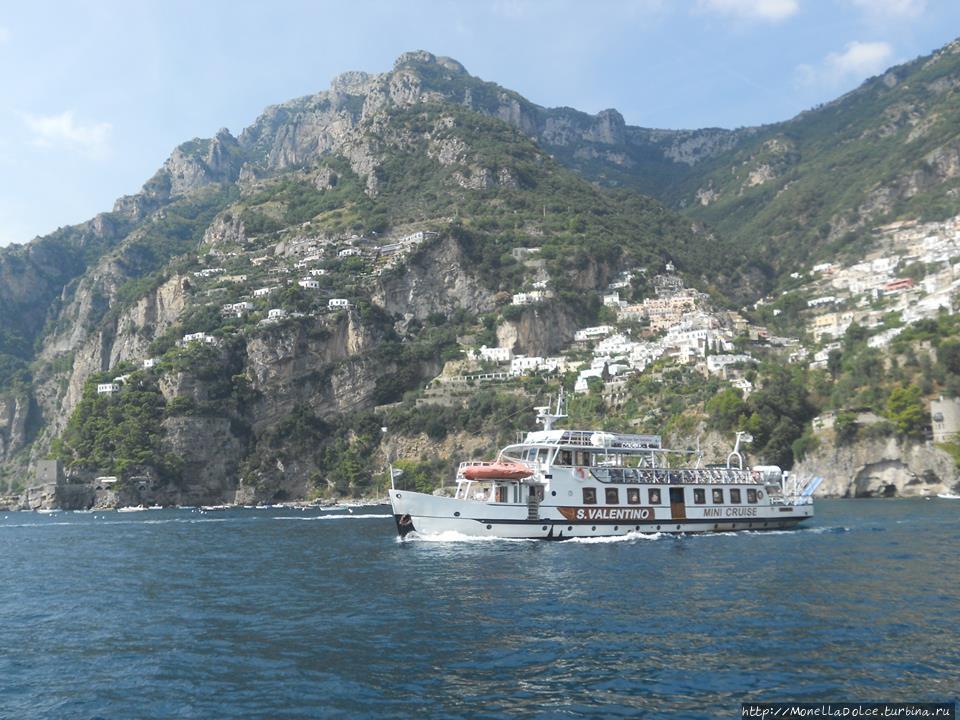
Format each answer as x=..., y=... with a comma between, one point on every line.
x=118, y=434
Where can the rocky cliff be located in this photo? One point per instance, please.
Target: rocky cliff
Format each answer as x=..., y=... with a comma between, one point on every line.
x=880, y=468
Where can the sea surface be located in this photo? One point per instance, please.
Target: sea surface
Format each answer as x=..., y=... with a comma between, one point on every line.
x=298, y=614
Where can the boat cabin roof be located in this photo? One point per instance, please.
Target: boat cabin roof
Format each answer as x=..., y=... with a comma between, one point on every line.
x=593, y=439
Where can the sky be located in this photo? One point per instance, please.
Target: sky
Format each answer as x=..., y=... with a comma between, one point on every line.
x=96, y=94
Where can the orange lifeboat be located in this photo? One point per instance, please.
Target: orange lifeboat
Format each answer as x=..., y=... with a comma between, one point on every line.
x=497, y=471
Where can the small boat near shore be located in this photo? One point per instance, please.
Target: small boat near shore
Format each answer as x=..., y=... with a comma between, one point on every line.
x=948, y=496
x=131, y=508
x=558, y=484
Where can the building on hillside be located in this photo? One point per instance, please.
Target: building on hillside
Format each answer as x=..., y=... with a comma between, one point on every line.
x=593, y=333
x=336, y=303
x=945, y=418
x=496, y=354
x=717, y=364
x=308, y=284
x=276, y=314
x=200, y=337
x=529, y=298
x=108, y=388
x=524, y=365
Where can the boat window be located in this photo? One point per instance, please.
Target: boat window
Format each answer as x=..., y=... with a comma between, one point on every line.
x=532, y=454
x=653, y=494
x=735, y=495
x=582, y=457
x=633, y=496
x=565, y=457
x=751, y=495
x=501, y=493
x=718, y=496
x=613, y=496
x=699, y=496
x=542, y=455
x=589, y=496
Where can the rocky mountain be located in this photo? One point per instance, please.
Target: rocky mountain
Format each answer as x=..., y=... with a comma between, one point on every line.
x=246, y=323
x=324, y=262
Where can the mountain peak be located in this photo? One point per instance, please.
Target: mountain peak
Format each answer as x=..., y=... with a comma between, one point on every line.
x=422, y=57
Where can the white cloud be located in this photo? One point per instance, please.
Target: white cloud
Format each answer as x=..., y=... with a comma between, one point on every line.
x=892, y=9
x=63, y=131
x=858, y=61
x=766, y=10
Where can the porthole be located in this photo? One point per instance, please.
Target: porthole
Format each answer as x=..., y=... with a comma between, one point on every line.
x=678, y=527
x=638, y=527
x=457, y=514
x=399, y=496
x=553, y=492
x=658, y=527
x=489, y=527
x=594, y=527
x=733, y=526
x=616, y=527
x=544, y=527
x=716, y=526
x=569, y=528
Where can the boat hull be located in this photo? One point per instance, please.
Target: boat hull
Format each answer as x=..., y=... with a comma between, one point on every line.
x=435, y=515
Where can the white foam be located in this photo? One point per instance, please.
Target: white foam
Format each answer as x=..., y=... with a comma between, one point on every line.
x=332, y=517
x=452, y=536
x=629, y=537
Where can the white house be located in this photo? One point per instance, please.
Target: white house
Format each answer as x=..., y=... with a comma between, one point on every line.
x=334, y=303
x=612, y=299
x=108, y=388
x=349, y=252
x=529, y=298
x=276, y=314
x=582, y=386
x=309, y=284
x=197, y=337
x=317, y=272
x=263, y=292
x=593, y=333
x=523, y=365
x=716, y=363
x=496, y=354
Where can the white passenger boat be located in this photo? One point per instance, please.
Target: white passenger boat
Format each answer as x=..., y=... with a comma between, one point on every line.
x=559, y=484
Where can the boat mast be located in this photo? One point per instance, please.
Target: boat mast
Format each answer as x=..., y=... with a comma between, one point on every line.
x=546, y=417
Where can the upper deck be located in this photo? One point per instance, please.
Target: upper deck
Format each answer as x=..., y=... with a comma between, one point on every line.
x=594, y=440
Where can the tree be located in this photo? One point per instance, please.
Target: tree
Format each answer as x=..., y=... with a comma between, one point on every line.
x=949, y=355
x=726, y=409
x=905, y=409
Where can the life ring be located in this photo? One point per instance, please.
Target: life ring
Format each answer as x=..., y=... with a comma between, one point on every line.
x=580, y=474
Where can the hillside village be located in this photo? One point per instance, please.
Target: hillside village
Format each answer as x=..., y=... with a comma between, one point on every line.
x=913, y=274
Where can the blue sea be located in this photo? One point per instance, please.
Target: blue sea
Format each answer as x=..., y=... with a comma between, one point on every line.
x=300, y=614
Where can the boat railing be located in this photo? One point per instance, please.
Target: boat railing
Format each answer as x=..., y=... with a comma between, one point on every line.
x=609, y=441
x=677, y=476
